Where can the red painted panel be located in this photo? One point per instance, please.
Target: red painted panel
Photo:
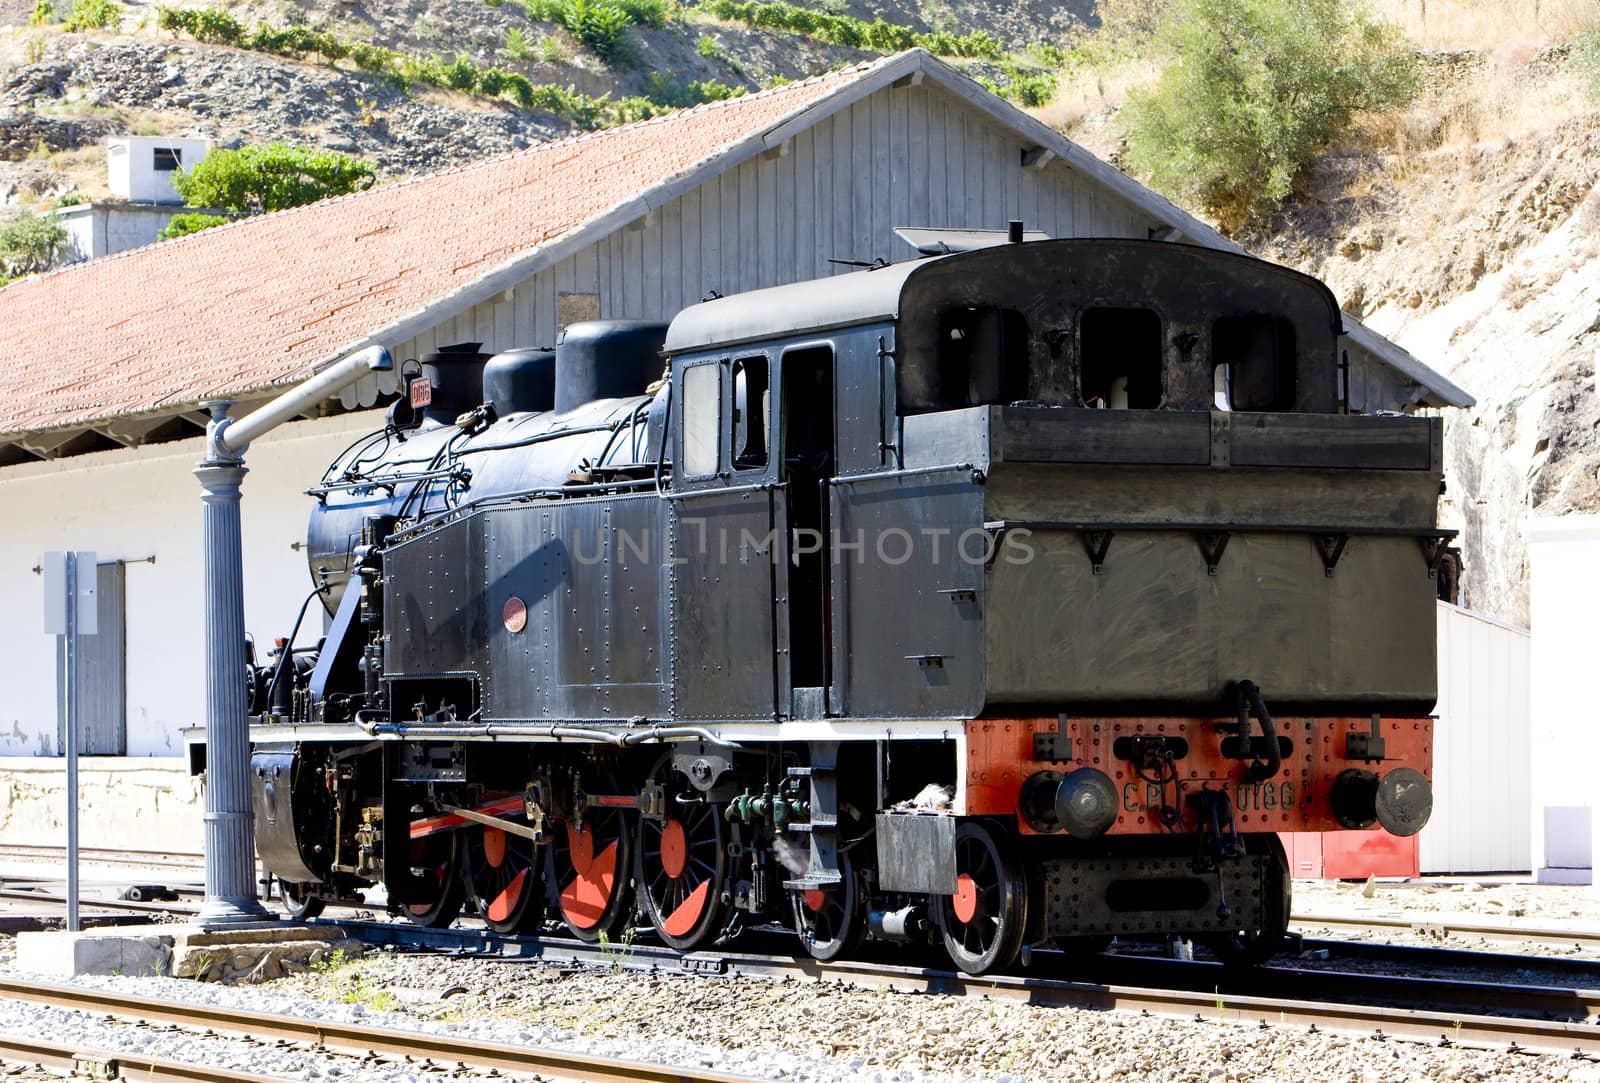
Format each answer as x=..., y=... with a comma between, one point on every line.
x=1351, y=855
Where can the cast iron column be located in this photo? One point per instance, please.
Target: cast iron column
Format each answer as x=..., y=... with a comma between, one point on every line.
x=230, y=825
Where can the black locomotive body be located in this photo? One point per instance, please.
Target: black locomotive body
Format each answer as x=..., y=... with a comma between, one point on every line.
x=1009, y=596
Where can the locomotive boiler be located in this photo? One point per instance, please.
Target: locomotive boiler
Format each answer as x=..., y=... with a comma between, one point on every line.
x=995, y=598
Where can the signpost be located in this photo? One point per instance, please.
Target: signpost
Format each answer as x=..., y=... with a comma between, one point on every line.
x=71, y=609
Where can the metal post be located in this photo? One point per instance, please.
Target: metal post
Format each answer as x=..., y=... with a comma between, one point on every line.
x=229, y=823
x=70, y=565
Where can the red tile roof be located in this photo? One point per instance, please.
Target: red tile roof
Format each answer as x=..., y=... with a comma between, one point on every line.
x=258, y=302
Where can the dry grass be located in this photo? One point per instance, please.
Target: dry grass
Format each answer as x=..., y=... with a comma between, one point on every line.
x=1500, y=101
x=1512, y=26
x=1089, y=90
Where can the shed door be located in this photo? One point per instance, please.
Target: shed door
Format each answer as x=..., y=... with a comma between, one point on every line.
x=102, y=674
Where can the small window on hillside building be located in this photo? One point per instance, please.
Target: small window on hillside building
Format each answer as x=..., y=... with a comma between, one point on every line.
x=751, y=403
x=1120, y=362
x=702, y=419
x=1254, y=360
x=983, y=356
x=168, y=159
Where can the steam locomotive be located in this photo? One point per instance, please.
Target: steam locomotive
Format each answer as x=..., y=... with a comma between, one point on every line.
x=1000, y=597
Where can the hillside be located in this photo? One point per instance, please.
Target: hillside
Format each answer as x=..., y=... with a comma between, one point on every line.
x=1482, y=255
x=398, y=97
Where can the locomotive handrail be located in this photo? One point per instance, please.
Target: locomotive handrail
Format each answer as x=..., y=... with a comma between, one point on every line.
x=556, y=732
x=519, y=496
x=459, y=473
x=753, y=487
x=879, y=475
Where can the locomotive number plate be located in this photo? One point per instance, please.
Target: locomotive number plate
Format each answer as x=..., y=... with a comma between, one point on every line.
x=421, y=391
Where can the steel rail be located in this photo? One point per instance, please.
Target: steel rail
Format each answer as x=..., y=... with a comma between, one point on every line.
x=359, y=1039
x=104, y=1064
x=1276, y=995
x=1575, y=968
x=128, y=905
x=101, y=855
x=1446, y=926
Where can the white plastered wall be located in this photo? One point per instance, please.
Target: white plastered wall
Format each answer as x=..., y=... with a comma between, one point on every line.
x=1482, y=807
x=135, y=503
x=1563, y=598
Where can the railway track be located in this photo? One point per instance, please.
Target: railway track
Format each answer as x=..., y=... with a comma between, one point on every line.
x=104, y=856
x=101, y=1064
x=1487, y=1014
x=1500, y=1013
x=350, y=1038
x=1446, y=927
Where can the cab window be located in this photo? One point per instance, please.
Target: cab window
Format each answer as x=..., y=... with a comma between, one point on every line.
x=752, y=401
x=1120, y=359
x=702, y=419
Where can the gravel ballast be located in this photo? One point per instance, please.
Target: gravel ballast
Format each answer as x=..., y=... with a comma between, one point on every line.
x=789, y=1030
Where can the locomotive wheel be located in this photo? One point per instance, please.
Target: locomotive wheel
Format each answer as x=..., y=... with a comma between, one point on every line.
x=300, y=901
x=436, y=878
x=830, y=920
x=504, y=871
x=982, y=923
x=683, y=864
x=1256, y=946
x=587, y=873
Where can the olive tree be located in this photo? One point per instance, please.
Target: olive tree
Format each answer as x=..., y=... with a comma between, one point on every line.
x=252, y=180
x=29, y=244
x=1252, y=91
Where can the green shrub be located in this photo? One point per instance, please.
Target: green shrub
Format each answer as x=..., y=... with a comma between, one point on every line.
x=707, y=46
x=44, y=12
x=29, y=244
x=651, y=13
x=462, y=75
x=551, y=50
x=602, y=25
x=1586, y=55
x=271, y=177
x=854, y=33
x=297, y=42
x=182, y=225
x=1050, y=54
x=373, y=59
x=1252, y=92
x=517, y=46
x=1029, y=89
x=662, y=91
x=492, y=82
x=94, y=15
x=211, y=25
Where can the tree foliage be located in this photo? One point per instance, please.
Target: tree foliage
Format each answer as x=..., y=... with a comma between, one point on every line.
x=181, y=225
x=1252, y=91
x=270, y=178
x=29, y=244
